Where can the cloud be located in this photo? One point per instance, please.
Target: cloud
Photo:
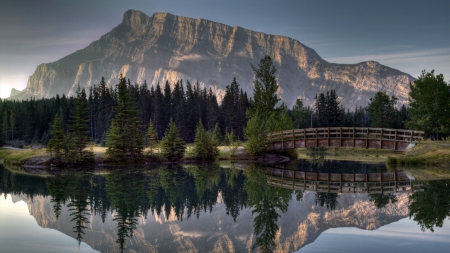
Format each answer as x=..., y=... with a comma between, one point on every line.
x=430, y=54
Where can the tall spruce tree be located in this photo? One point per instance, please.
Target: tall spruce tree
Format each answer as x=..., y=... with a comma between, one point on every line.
x=125, y=138
x=262, y=114
x=57, y=142
x=172, y=146
x=79, y=127
x=328, y=110
x=382, y=110
x=301, y=115
x=152, y=137
x=205, y=144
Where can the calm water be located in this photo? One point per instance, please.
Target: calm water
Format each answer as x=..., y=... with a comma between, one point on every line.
x=205, y=208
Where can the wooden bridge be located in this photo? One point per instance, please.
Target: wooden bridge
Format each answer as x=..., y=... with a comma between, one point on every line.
x=385, y=182
x=359, y=137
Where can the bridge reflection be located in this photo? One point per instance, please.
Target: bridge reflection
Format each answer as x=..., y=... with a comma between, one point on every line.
x=384, y=182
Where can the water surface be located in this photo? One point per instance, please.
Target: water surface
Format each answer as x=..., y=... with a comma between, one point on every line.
x=206, y=208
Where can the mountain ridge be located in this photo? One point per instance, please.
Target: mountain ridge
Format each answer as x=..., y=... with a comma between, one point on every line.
x=166, y=47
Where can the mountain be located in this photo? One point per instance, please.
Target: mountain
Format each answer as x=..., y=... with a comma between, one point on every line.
x=216, y=231
x=168, y=47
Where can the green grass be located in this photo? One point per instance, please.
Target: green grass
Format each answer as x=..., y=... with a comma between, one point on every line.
x=17, y=157
x=428, y=153
x=348, y=154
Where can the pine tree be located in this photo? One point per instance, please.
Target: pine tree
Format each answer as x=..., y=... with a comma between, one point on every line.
x=262, y=111
x=79, y=127
x=125, y=139
x=2, y=136
x=172, y=146
x=56, y=144
x=205, y=144
x=382, y=110
x=152, y=137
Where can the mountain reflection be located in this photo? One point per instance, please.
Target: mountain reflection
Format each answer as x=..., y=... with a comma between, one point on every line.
x=118, y=204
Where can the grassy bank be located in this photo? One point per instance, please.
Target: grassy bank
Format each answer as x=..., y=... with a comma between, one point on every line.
x=426, y=153
x=18, y=156
x=346, y=154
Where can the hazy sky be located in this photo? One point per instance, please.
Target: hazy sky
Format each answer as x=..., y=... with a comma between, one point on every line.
x=408, y=35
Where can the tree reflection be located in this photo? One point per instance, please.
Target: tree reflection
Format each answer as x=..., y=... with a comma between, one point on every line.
x=381, y=200
x=74, y=187
x=266, y=201
x=430, y=207
x=233, y=193
x=326, y=199
x=127, y=192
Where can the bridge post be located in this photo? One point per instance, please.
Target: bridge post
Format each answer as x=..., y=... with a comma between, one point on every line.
x=367, y=138
x=317, y=139
x=353, y=137
x=395, y=143
x=381, y=139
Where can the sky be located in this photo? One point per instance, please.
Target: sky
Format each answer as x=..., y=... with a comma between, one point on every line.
x=408, y=35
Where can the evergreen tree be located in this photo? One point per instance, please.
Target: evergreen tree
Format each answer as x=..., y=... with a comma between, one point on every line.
x=57, y=142
x=79, y=127
x=205, y=144
x=328, y=110
x=429, y=101
x=265, y=88
x=2, y=136
x=152, y=137
x=125, y=138
x=216, y=134
x=301, y=116
x=382, y=110
x=261, y=110
x=172, y=146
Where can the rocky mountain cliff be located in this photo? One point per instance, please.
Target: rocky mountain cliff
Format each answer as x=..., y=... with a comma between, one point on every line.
x=168, y=47
x=216, y=231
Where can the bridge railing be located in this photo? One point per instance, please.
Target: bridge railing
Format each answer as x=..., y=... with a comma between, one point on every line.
x=346, y=133
x=382, y=138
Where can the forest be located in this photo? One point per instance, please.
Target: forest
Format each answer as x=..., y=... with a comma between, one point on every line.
x=29, y=121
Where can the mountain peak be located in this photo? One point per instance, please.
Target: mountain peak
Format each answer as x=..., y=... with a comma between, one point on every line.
x=133, y=17
x=166, y=47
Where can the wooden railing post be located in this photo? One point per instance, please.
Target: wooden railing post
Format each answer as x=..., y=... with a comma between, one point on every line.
x=353, y=137
x=317, y=139
x=381, y=139
x=367, y=138
x=328, y=138
x=395, y=142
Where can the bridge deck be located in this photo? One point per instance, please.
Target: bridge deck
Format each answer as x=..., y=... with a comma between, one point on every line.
x=385, y=182
x=379, y=138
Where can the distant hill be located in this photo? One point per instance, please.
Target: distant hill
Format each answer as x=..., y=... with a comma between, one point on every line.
x=168, y=47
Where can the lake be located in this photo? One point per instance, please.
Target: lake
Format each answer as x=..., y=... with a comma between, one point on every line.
x=299, y=207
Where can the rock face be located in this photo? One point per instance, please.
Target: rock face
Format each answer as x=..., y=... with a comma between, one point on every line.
x=217, y=232
x=168, y=47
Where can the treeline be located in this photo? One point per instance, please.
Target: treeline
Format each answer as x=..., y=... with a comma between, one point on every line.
x=328, y=112
x=30, y=121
